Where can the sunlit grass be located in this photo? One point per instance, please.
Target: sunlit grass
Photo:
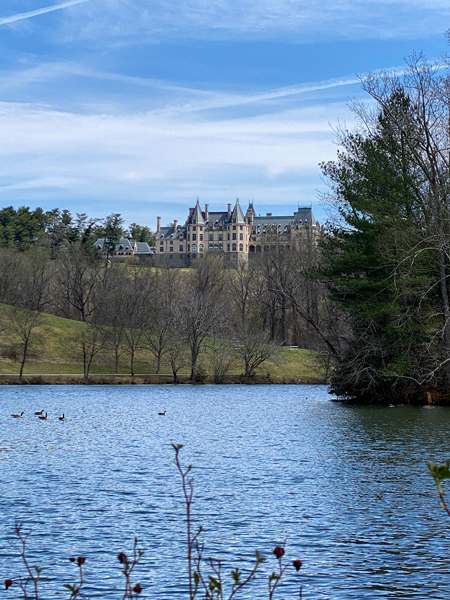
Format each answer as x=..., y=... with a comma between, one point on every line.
x=55, y=351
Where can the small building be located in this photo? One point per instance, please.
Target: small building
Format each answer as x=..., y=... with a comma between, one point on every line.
x=126, y=247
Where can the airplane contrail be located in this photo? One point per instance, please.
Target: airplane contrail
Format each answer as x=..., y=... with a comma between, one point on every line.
x=39, y=11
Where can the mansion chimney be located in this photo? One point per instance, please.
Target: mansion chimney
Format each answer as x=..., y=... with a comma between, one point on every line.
x=175, y=225
x=206, y=212
x=229, y=210
x=158, y=224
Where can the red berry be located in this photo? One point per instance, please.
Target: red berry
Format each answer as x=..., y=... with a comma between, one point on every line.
x=297, y=564
x=278, y=551
x=72, y=559
x=81, y=560
x=137, y=588
x=122, y=557
x=8, y=583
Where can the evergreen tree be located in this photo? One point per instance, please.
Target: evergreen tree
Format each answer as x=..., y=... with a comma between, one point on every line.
x=378, y=263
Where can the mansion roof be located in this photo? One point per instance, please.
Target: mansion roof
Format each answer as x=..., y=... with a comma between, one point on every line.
x=221, y=219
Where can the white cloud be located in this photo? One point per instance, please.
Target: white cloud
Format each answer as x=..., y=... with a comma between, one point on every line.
x=39, y=11
x=165, y=154
x=156, y=20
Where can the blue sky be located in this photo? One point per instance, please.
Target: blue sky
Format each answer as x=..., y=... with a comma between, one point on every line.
x=139, y=106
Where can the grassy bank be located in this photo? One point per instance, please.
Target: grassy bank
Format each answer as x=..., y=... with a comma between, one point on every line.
x=55, y=357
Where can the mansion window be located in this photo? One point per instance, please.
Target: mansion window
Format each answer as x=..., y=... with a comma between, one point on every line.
x=181, y=248
x=234, y=236
x=200, y=248
x=194, y=247
x=241, y=247
x=241, y=236
x=161, y=249
x=211, y=237
x=201, y=237
x=234, y=248
x=194, y=237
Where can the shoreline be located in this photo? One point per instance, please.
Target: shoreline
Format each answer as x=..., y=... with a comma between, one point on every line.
x=152, y=379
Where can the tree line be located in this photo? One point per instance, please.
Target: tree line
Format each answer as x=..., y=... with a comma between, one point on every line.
x=23, y=228
x=187, y=318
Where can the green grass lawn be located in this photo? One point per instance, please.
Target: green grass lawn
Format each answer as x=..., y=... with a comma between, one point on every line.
x=55, y=350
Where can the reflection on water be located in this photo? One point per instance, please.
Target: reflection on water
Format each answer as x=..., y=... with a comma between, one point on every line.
x=347, y=487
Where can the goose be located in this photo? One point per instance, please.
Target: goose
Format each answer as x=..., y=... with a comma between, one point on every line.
x=63, y=418
x=39, y=412
x=42, y=418
x=163, y=414
x=17, y=416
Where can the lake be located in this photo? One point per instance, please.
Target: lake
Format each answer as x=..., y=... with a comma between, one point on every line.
x=346, y=487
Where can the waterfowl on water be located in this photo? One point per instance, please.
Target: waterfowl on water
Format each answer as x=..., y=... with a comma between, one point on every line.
x=42, y=418
x=163, y=414
x=17, y=416
x=40, y=412
x=63, y=418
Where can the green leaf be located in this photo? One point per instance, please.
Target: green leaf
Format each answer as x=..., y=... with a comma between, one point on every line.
x=236, y=575
x=440, y=472
x=214, y=584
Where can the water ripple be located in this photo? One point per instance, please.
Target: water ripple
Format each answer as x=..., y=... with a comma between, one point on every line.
x=346, y=487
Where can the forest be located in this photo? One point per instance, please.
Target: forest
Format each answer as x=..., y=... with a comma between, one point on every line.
x=49, y=264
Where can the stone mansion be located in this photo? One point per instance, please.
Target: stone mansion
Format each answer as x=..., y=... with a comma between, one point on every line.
x=233, y=233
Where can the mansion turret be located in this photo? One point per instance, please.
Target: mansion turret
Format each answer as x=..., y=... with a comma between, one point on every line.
x=233, y=233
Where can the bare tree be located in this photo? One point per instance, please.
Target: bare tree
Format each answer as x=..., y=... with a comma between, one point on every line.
x=9, y=273
x=77, y=275
x=202, y=311
x=242, y=285
x=255, y=347
x=163, y=286
x=109, y=309
x=177, y=353
x=221, y=358
x=30, y=297
x=91, y=341
x=136, y=315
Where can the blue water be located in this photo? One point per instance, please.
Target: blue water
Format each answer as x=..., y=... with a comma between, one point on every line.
x=346, y=487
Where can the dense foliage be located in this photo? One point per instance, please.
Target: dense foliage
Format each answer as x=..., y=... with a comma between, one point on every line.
x=386, y=256
x=23, y=228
